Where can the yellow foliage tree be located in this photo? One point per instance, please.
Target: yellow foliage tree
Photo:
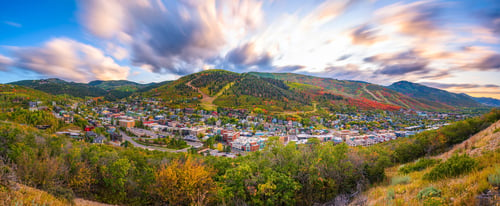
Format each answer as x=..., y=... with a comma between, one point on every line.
x=185, y=183
x=220, y=147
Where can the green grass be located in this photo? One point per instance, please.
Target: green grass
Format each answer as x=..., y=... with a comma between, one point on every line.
x=419, y=165
x=455, y=166
x=494, y=179
x=400, y=180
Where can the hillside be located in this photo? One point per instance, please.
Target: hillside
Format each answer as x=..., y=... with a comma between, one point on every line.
x=492, y=102
x=110, y=90
x=213, y=88
x=432, y=94
x=357, y=93
x=57, y=86
x=466, y=176
x=14, y=96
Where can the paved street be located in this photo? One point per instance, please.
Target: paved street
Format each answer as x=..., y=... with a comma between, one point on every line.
x=131, y=140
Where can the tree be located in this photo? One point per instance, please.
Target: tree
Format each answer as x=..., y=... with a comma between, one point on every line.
x=185, y=183
x=115, y=175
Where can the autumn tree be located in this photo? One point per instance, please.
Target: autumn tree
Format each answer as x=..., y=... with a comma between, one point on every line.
x=185, y=183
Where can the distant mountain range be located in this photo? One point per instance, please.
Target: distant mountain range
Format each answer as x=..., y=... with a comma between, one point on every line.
x=492, y=102
x=419, y=91
x=110, y=90
x=269, y=91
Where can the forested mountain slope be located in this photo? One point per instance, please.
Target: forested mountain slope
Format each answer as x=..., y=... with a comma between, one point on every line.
x=432, y=94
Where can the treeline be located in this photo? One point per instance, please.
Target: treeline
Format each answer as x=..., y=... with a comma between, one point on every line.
x=267, y=88
x=61, y=87
x=278, y=175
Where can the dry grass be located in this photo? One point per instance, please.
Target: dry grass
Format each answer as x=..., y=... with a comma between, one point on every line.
x=461, y=190
x=30, y=196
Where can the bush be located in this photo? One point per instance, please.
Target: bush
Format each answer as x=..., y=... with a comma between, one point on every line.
x=428, y=192
x=456, y=165
x=419, y=165
x=62, y=193
x=494, y=179
x=390, y=194
x=398, y=180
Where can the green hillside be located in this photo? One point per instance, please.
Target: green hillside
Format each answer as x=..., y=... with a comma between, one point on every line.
x=250, y=92
x=57, y=86
x=433, y=95
x=370, y=96
x=110, y=90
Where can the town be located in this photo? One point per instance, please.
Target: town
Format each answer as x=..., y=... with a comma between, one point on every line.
x=146, y=124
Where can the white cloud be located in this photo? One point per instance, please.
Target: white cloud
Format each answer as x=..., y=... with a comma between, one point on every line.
x=172, y=36
x=70, y=60
x=5, y=62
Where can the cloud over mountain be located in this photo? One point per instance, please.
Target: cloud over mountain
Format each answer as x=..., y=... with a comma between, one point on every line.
x=172, y=36
x=70, y=60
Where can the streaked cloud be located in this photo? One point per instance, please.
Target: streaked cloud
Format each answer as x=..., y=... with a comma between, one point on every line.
x=70, y=60
x=489, y=62
x=374, y=41
x=5, y=62
x=14, y=24
x=459, y=85
x=477, y=90
x=420, y=18
x=365, y=34
x=247, y=55
x=172, y=36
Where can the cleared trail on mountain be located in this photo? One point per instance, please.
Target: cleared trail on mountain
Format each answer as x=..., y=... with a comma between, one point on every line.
x=207, y=101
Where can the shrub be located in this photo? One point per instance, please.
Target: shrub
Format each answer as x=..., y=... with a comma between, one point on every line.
x=419, y=165
x=62, y=193
x=390, y=194
x=400, y=180
x=456, y=165
x=494, y=179
x=428, y=192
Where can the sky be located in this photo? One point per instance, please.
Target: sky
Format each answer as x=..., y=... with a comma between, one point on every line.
x=451, y=45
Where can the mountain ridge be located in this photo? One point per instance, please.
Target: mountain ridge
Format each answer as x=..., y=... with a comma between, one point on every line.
x=274, y=92
x=423, y=92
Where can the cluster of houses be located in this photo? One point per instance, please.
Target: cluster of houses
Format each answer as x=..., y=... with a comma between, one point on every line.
x=242, y=131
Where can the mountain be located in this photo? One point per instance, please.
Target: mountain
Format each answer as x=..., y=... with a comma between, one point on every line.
x=426, y=93
x=110, y=90
x=213, y=88
x=281, y=92
x=58, y=86
x=492, y=102
x=370, y=96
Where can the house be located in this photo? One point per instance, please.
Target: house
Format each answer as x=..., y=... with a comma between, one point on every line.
x=90, y=134
x=116, y=136
x=99, y=140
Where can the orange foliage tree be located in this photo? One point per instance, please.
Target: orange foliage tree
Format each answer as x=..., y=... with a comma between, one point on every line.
x=185, y=183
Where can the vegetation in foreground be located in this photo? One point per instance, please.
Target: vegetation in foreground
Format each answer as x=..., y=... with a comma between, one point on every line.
x=278, y=175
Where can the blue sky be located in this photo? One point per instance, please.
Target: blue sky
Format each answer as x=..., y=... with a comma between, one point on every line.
x=452, y=45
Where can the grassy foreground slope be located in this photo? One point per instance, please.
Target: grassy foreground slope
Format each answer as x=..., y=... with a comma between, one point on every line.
x=468, y=174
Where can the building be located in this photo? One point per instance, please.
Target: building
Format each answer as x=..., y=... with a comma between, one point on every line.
x=98, y=140
x=127, y=123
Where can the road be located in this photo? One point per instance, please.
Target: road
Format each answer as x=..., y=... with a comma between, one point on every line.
x=131, y=140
